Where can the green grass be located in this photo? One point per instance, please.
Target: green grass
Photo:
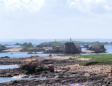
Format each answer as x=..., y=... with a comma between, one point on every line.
x=95, y=59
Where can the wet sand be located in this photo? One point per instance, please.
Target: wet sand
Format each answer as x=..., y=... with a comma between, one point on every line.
x=13, y=50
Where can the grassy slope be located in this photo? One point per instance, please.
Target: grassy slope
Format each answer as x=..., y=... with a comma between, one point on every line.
x=99, y=59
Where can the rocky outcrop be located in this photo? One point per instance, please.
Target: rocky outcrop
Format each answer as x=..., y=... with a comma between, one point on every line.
x=55, y=49
x=2, y=47
x=71, y=48
x=97, y=48
x=36, y=67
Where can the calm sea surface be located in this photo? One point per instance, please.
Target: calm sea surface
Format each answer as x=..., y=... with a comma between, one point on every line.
x=23, y=54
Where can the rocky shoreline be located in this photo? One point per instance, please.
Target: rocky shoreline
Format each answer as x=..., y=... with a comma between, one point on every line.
x=67, y=72
x=64, y=80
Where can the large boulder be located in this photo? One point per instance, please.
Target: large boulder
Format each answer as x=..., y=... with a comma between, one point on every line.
x=36, y=67
x=71, y=48
x=97, y=48
x=2, y=47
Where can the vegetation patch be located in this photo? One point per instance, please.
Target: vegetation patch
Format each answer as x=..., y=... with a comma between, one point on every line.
x=94, y=59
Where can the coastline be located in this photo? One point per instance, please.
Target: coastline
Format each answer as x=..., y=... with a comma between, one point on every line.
x=67, y=72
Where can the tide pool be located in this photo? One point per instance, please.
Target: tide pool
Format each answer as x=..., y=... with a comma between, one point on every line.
x=8, y=79
x=9, y=66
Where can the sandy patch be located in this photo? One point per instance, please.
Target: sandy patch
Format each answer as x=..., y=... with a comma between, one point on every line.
x=83, y=59
x=62, y=57
x=13, y=50
x=19, y=76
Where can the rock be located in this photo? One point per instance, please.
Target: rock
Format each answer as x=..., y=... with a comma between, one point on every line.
x=55, y=49
x=5, y=57
x=71, y=48
x=98, y=48
x=36, y=67
x=86, y=74
x=2, y=47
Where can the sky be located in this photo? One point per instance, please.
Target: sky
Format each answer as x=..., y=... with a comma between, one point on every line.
x=55, y=19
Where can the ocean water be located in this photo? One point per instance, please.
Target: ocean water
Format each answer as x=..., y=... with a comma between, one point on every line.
x=23, y=54
x=108, y=49
x=9, y=66
x=38, y=41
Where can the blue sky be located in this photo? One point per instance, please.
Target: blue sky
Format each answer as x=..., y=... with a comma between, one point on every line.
x=55, y=19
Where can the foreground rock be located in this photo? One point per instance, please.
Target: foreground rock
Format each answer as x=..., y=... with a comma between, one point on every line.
x=66, y=79
x=36, y=67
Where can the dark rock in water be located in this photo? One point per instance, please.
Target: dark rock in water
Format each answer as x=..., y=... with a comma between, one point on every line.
x=30, y=52
x=2, y=47
x=98, y=48
x=71, y=48
x=5, y=57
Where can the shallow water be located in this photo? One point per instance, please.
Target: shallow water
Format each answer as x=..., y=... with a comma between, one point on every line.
x=26, y=54
x=9, y=66
x=7, y=79
x=22, y=54
x=108, y=48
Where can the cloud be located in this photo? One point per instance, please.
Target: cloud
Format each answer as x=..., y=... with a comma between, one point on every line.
x=29, y=5
x=91, y=6
x=84, y=6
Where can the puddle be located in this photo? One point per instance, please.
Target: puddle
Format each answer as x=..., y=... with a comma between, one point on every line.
x=8, y=79
x=9, y=66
